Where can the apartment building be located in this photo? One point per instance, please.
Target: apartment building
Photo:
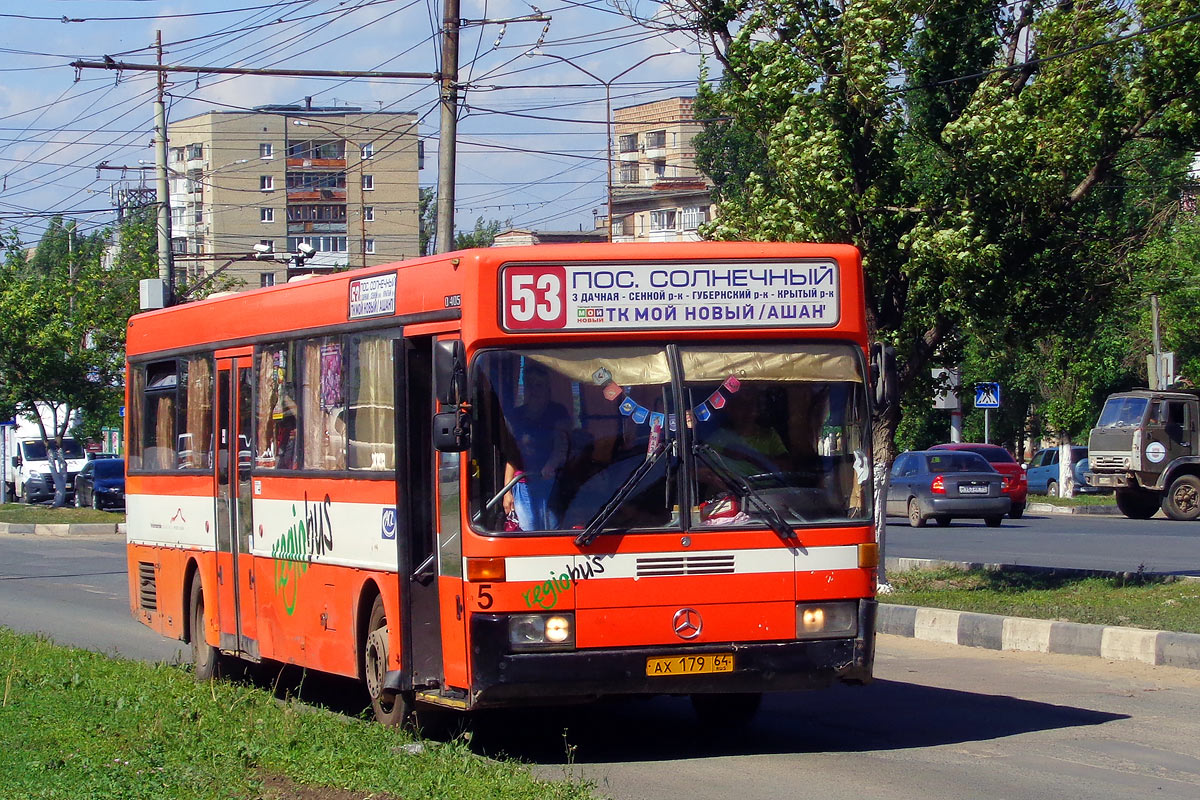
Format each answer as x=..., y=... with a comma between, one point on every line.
x=658, y=193
x=340, y=180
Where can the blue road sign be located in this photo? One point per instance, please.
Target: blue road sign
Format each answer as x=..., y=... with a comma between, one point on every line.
x=987, y=395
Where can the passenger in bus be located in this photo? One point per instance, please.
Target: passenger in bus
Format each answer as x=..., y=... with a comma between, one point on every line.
x=536, y=450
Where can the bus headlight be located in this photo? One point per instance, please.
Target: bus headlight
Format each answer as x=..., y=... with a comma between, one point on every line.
x=541, y=632
x=827, y=620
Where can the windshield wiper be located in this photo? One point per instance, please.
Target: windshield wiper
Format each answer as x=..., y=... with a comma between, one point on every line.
x=740, y=486
x=596, y=524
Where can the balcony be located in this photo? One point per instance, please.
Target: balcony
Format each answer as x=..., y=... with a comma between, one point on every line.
x=317, y=163
x=294, y=195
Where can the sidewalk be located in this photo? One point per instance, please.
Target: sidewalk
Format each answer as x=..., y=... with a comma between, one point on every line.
x=995, y=632
x=77, y=529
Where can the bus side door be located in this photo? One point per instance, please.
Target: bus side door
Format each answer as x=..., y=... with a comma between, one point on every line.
x=236, y=603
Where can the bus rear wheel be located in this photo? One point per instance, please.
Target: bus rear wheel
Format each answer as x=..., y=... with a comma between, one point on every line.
x=1182, y=500
x=396, y=709
x=1137, y=503
x=205, y=657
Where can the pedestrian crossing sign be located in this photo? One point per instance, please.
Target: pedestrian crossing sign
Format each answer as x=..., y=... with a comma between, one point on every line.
x=987, y=395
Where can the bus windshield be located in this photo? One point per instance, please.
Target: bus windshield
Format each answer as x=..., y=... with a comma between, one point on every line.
x=1122, y=412
x=630, y=435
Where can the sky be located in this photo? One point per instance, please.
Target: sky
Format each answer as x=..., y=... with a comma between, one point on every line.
x=531, y=135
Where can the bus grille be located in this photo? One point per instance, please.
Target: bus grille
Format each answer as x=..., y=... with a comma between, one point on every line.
x=715, y=564
x=147, y=586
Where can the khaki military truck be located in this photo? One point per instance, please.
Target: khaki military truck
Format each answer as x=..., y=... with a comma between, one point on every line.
x=1145, y=448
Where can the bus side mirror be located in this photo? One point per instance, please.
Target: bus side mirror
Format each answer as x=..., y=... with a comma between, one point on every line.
x=449, y=371
x=451, y=431
x=884, y=383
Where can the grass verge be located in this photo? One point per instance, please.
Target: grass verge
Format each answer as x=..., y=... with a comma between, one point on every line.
x=45, y=515
x=1077, y=500
x=82, y=725
x=1139, y=602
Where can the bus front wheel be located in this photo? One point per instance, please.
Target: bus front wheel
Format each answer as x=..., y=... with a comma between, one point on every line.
x=205, y=657
x=391, y=710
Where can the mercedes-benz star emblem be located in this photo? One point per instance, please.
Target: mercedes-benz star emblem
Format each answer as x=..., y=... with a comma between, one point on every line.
x=687, y=623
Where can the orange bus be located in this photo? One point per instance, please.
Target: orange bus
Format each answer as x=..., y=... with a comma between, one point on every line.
x=517, y=475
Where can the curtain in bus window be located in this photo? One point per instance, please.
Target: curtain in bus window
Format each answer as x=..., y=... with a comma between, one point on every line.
x=276, y=434
x=323, y=404
x=159, y=444
x=195, y=441
x=370, y=388
x=137, y=396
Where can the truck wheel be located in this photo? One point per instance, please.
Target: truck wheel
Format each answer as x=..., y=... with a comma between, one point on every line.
x=1137, y=503
x=393, y=711
x=1182, y=500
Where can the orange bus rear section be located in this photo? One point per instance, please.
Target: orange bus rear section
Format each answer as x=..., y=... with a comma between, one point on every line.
x=291, y=555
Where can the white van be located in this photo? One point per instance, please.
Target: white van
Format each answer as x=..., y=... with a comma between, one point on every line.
x=27, y=469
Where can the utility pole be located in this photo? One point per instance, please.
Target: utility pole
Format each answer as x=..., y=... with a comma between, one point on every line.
x=449, y=125
x=1155, y=376
x=166, y=271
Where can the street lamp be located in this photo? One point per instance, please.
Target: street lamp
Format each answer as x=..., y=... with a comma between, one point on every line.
x=607, y=84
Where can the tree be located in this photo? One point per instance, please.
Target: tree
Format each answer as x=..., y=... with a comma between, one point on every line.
x=483, y=235
x=62, y=343
x=995, y=163
x=426, y=220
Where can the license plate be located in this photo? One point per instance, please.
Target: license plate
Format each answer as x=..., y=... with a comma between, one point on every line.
x=689, y=665
x=972, y=490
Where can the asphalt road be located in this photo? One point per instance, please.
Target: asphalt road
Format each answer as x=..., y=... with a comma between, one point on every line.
x=940, y=721
x=1083, y=541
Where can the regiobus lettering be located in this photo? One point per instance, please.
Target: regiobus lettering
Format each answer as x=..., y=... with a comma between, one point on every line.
x=554, y=472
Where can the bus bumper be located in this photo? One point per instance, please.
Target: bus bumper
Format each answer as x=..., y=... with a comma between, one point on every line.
x=503, y=678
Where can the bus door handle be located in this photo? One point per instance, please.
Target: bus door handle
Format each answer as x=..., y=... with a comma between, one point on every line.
x=425, y=572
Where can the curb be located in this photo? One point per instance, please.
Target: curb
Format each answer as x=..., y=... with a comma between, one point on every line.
x=76, y=529
x=994, y=632
x=1050, y=508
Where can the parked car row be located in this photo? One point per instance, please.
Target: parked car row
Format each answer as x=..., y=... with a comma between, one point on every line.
x=985, y=483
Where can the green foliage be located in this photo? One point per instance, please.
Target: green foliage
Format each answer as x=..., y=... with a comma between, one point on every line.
x=93, y=727
x=1169, y=266
x=995, y=176
x=62, y=346
x=483, y=235
x=427, y=220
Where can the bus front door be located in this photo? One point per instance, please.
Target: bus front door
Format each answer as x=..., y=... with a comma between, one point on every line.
x=421, y=646
x=236, y=607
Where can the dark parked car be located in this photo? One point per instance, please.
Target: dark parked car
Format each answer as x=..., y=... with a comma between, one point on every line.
x=943, y=485
x=1015, y=485
x=101, y=484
